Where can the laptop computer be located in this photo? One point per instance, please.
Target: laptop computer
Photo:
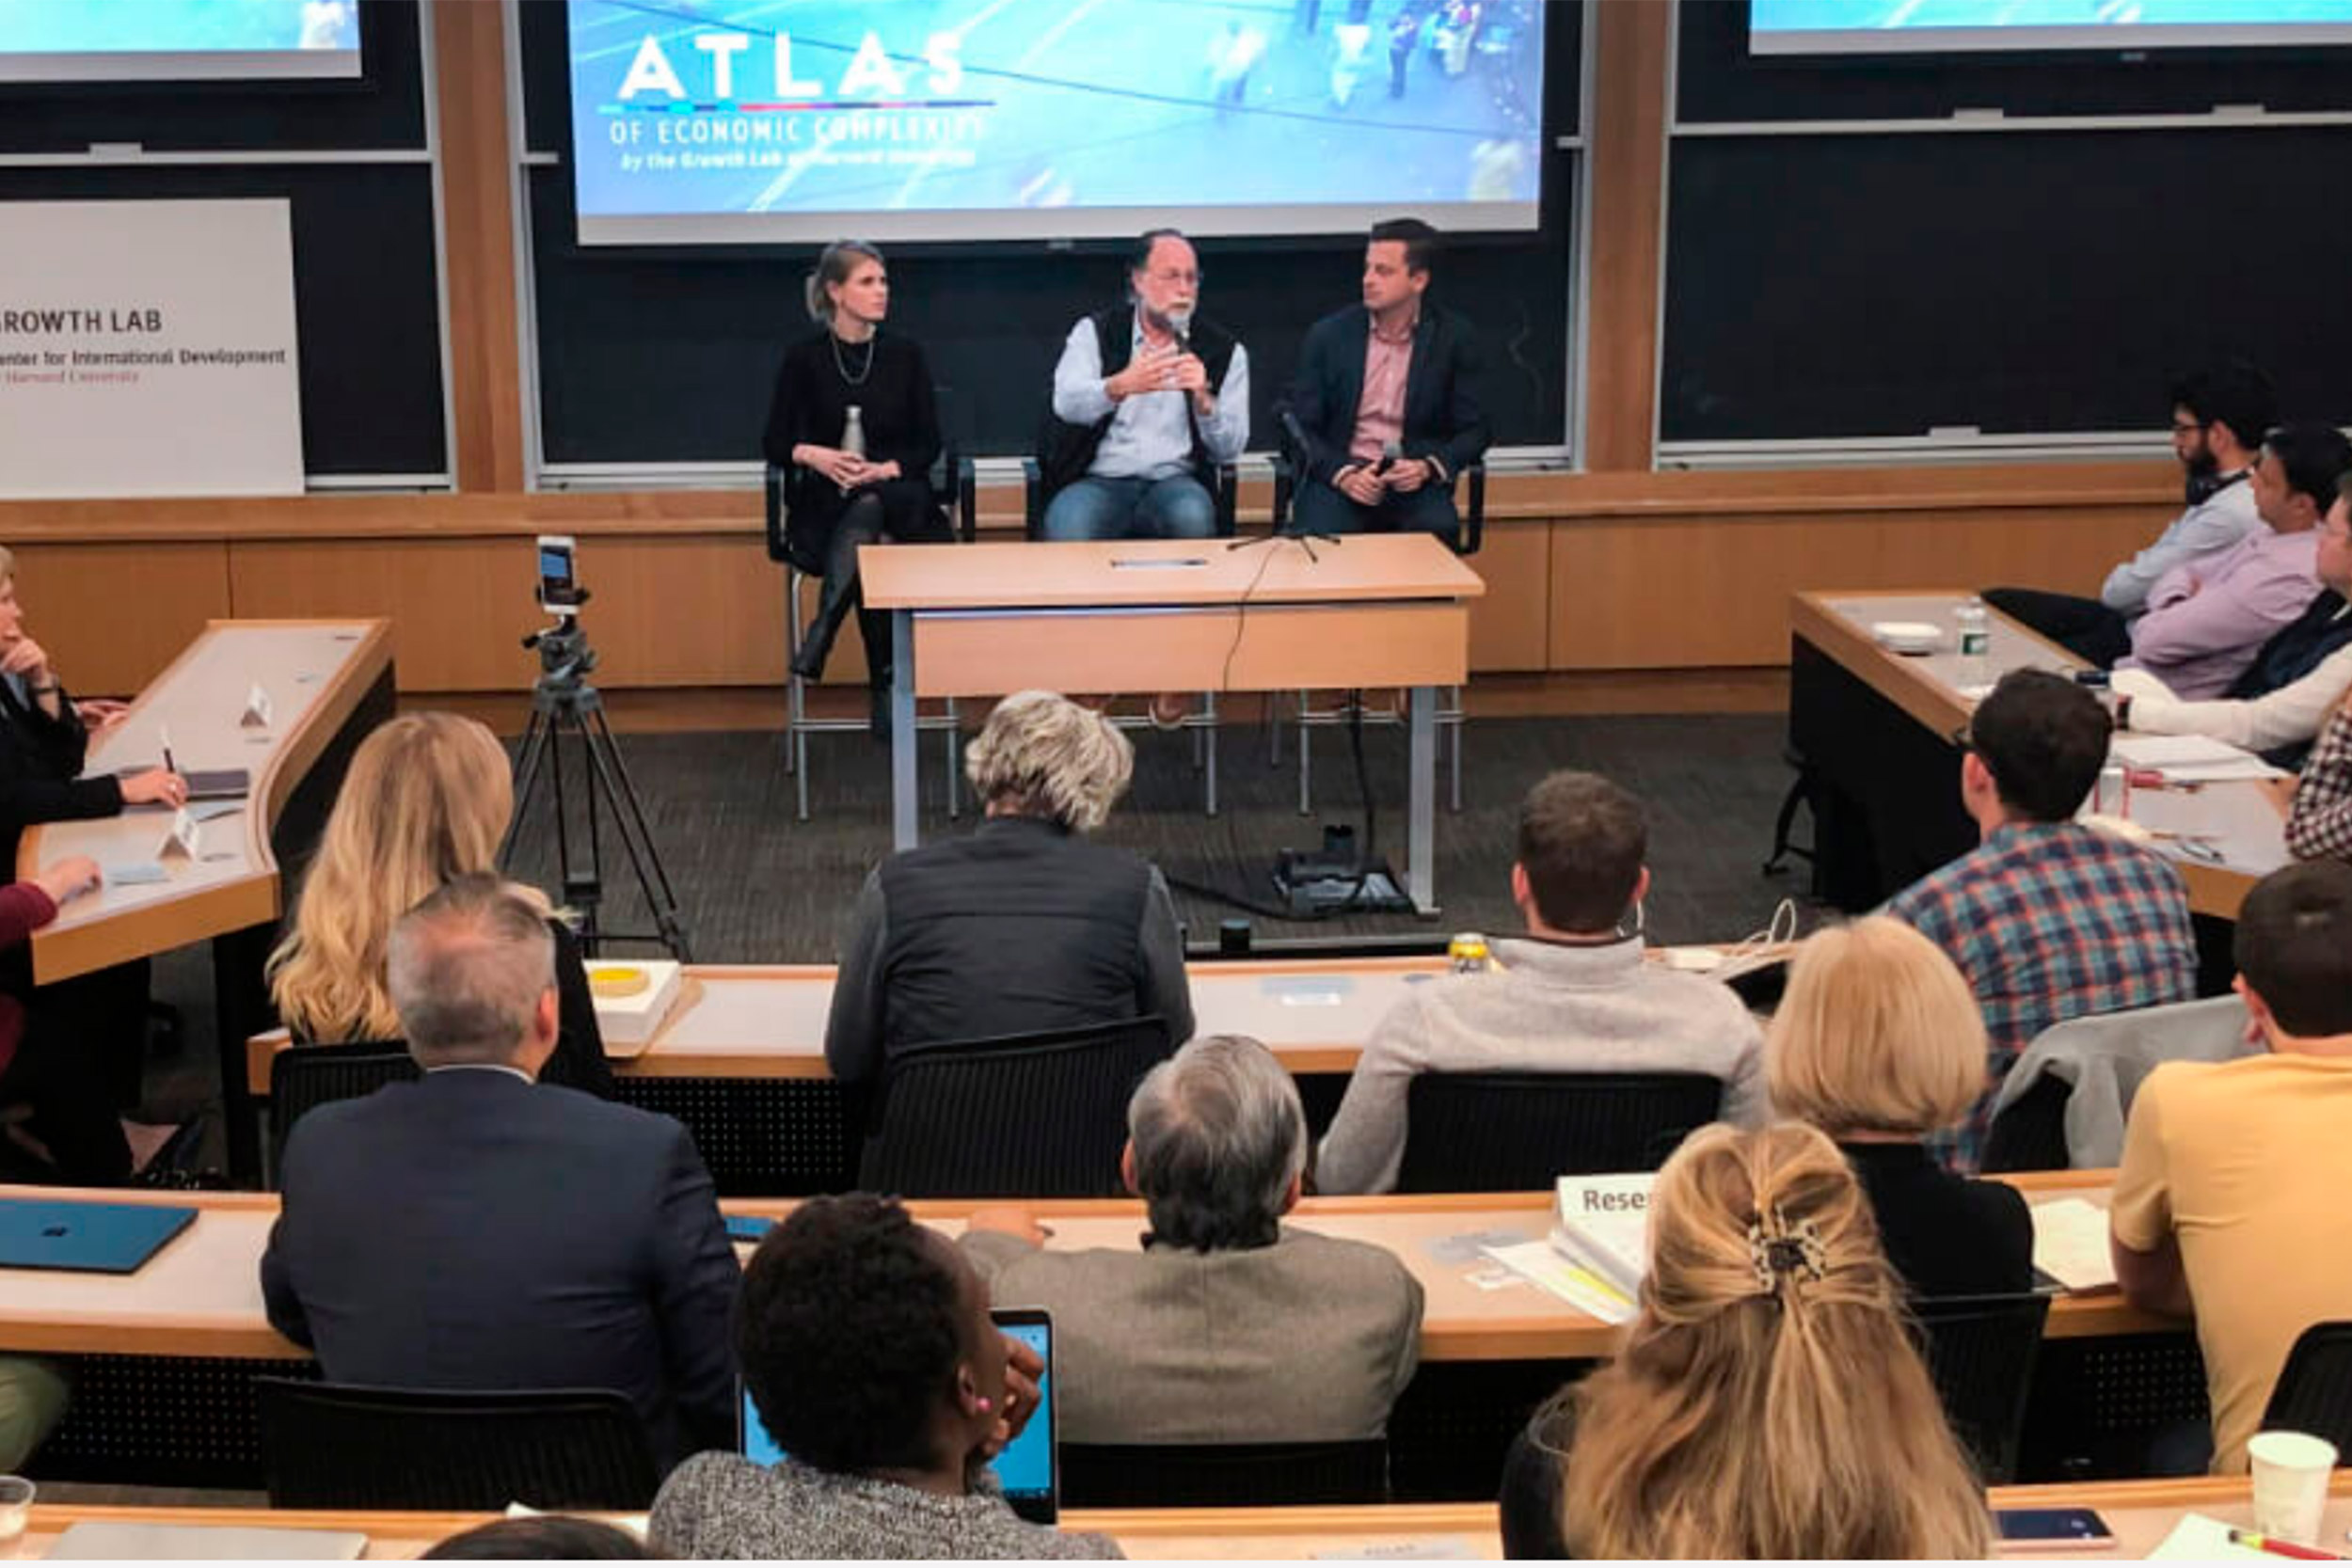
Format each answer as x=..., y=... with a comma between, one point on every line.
x=1028, y=1471
x=85, y=1238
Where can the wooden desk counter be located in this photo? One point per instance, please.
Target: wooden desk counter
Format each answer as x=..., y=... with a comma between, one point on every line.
x=201, y=1294
x=315, y=674
x=2239, y=819
x=2141, y=1514
x=768, y=1020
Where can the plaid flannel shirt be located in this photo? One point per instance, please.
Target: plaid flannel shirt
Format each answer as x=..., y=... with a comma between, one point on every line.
x=2319, y=824
x=2051, y=921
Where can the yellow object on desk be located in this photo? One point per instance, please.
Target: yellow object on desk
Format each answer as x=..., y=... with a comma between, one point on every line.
x=618, y=980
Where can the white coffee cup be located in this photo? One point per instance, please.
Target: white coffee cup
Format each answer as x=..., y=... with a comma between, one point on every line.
x=2290, y=1483
x=16, y=1512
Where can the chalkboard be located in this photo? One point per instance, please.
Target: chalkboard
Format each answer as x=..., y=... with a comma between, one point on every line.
x=366, y=302
x=383, y=109
x=367, y=306
x=1821, y=287
x=1717, y=79
x=667, y=355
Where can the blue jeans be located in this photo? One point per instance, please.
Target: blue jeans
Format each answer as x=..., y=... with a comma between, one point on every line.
x=1094, y=508
x=1320, y=508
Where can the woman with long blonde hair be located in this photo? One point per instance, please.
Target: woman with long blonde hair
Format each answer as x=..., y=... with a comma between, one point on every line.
x=426, y=800
x=1769, y=1401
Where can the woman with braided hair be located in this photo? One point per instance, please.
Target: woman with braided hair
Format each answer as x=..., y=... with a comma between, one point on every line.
x=1769, y=1401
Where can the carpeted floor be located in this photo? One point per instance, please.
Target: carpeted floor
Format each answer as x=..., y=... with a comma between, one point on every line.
x=755, y=885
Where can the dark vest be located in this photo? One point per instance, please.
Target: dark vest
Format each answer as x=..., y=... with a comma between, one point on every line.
x=1019, y=928
x=1066, y=451
x=2292, y=651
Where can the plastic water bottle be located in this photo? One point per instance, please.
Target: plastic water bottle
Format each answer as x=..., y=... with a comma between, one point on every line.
x=2113, y=797
x=853, y=432
x=1975, y=641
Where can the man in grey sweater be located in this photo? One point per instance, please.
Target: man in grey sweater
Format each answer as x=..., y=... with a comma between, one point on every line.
x=1574, y=995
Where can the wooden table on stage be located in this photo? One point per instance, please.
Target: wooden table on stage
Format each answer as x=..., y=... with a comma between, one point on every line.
x=2141, y=1514
x=201, y=1294
x=327, y=682
x=1878, y=728
x=1177, y=615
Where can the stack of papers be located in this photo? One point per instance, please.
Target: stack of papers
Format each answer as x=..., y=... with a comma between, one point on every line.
x=1601, y=1223
x=2070, y=1243
x=1599, y=1245
x=2190, y=758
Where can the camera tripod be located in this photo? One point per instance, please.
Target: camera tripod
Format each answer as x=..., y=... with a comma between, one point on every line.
x=563, y=703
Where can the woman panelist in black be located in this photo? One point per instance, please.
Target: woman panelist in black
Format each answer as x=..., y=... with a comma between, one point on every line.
x=855, y=425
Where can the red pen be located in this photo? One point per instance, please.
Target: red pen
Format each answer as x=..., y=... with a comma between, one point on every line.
x=2277, y=1548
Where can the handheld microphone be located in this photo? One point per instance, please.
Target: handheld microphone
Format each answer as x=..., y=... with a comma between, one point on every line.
x=1180, y=327
x=1390, y=453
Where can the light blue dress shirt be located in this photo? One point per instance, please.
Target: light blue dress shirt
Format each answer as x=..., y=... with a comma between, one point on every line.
x=1150, y=433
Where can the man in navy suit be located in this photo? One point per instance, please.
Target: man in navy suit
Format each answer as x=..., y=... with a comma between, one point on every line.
x=478, y=1230
x=1384, y=409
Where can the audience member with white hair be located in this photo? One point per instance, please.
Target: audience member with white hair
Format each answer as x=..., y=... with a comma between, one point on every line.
x=1023, y=926
x=1224, y=1326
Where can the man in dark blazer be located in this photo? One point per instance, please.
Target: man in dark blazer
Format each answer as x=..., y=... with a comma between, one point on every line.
x=478, y=1230
x=1384, y=412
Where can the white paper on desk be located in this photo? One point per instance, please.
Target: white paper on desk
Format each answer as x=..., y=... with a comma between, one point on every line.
x=1448, y=1548
x=133, y=874
x=2202, y=1538
x=134, y=1541
x=2190, y=758
x=2221, y=772
x=1580, y=1288
x=213, y=811
x=2070, y=1243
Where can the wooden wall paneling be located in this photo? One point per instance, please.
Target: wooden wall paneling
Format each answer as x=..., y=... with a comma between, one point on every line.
x=1508, y=629
x=1713, y=589
x=1632, y=40
x=486, y=378
x=111, y=616
x=459, y=607
x=665, y=611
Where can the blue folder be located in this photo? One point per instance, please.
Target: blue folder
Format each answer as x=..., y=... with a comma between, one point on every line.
x=86, y=1238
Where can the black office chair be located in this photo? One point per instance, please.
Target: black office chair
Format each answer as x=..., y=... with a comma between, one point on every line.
x=1225, y=492
x=1516, y=1132
x=2314, y=1393
x=760, y=1137
x=304, y=1077
x=327, y=1445
x=1470, y=500
x=1026, y=1115
x=1980, y=1351
x=1223, y=1475
x=953, y=478
x=2031, y=1133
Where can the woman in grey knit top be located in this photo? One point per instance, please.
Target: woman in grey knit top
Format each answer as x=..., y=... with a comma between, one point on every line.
x=867, y=1347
